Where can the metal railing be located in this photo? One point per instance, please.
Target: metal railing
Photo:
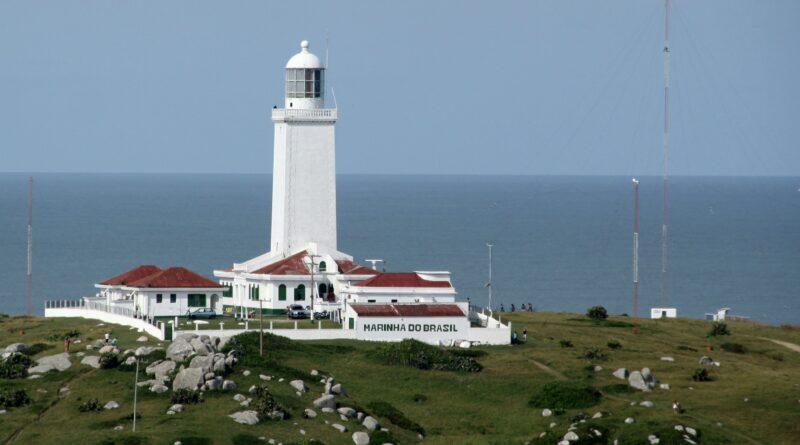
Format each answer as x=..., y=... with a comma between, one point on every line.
x=297, y=114
x=87, y=303
x=64, y=304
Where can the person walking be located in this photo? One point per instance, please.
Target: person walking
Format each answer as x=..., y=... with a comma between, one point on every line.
x=512, y=307
x=67, y=341
x=107, y=338
x=525, y=334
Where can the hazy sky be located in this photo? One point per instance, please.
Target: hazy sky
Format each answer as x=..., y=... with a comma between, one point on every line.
x=516, y=87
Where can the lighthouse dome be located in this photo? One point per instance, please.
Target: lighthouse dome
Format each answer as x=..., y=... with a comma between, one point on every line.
x=304, y=59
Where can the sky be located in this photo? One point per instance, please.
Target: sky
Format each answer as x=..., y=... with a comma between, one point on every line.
x=534, y=87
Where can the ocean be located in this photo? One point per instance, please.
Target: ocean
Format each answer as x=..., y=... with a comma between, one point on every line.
x=562, y=243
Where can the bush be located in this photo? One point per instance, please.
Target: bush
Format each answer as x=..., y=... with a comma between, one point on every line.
x=415, y=354
x=565, y=395
x=619, y=388
x=420, y=398
x=15, y=366
x=90, y=405
x=701, y=375
x=594, y=353
x=109, y=360
x=614, y=344
x=243, y=439
x=61, y=336
x=597, y=313
x=14, y=398
x=565, y=343
x=379, y=436
x=736, y=348
x=719, y=328
x=186, y=396
x=265, y=405
x=394, y=415
x=36, y=348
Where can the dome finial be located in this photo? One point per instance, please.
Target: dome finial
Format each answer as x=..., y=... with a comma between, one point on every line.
x=304, y=45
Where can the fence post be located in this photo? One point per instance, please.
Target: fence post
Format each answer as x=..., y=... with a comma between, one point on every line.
x=196, y=327
x=319, y=325
x=295, y=324
x=270, y=325
x=246, y=325
x=221, y=326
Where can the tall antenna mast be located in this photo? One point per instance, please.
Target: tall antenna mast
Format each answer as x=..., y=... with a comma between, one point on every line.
x=30, y=245
x=635, y=255
x=489, y=284
x=665, y=198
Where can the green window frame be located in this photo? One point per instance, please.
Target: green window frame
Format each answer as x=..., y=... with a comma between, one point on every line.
x=351, y=323
x=197, y=300
x=228, y=292
x=255, y=292
x=282, y=292
x=323, y=266
x=300, y=293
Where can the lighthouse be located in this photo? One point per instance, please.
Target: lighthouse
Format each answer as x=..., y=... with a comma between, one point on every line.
x=304, y=167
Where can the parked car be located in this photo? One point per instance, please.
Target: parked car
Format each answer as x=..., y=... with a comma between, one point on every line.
x=297, y=311
x=205, y=312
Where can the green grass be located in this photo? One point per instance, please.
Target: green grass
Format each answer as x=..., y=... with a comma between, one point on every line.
x=486, y=407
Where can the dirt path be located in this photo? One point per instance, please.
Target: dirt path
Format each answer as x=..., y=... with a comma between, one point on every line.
x=794, y=347
x=549, y=370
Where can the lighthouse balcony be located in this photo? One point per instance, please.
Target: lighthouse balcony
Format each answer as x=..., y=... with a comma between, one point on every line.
x=304, y=115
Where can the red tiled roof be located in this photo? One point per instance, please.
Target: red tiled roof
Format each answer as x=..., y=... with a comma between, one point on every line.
x=292, y=265
x=407, y=310
x=401, y=279
x=352, y=268
x=174, y=277
x=134, y=274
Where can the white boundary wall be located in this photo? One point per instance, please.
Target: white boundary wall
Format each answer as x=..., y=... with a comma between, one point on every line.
x=107, y=317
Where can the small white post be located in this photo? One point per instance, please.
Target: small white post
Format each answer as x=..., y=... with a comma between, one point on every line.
x=246, y=325
x=319, y=325
x=196, y=327
x=176, y=320
x=295, y=324
x=221, y=326
x=270, y=325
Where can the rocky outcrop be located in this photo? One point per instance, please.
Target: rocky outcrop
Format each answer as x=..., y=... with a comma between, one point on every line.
x=370, y=423
x=160, y=369
x=58, y=362
x=326, y=401
x=91, y=360
x=642, y=380
x=245, y=417
x=16, y=347
x=188, y=378
x=298, y=385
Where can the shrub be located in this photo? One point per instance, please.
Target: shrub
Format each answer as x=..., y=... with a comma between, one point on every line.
x=594, y=353
x=244, y=439
x=386, y=410
x=15, y=366
x=379, y=436
x=614, y=344
x=109, y=360
x=59, y=336
x=597, y=313
x=719, y=328
x=415, y=354
x=619, y=388
x=90, y=405
x=14, y=398
x=420, y=398
x=36, y=348
x=565, y=343
x=265, y=405
x=186, y=396
x=701, y=375
x=736, y=348
x=565, y=395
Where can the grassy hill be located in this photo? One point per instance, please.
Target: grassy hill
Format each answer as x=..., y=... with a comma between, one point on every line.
x=753, y=397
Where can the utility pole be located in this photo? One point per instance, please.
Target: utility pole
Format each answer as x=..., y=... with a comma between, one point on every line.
x=312, y=284
x=489, y=284
x=260, y=327
x=30, y=245
x=665, y=173
x=135, y=393
x=635, y=255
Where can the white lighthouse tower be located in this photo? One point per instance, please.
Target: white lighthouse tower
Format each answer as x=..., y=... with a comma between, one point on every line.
x=304, y=168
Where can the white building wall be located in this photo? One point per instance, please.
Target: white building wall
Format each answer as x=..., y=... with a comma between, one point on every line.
x=427, y=329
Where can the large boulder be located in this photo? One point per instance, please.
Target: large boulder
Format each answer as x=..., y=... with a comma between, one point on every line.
x=229, y=385
x=159, y=388
x=621, y=373
x=111, y=405
x=142, y=351
x=298, y=385
x=161, y=368
x=16, y=347
x=338, y=389
x=188, y=378
x=326, y=401
x=201, y=347
x=179, y=349
x=143, y=338
x=204, y=362
x=91, y=360
x=219, y=363
x=370, y=423
x=360, y=438
x=636, y=380
x=245, y=417
x=108, y=349
x=58, y=362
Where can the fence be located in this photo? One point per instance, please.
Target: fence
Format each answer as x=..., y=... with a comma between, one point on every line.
x=99, y=311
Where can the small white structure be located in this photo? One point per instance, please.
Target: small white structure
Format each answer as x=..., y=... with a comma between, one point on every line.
x=430, y=323
x=663, y=312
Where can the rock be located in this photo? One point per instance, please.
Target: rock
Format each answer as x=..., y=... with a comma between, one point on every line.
x=678, y=427
x=621, y=373
x=176, y=407
x=130, y=361
x=647, y=404
x=200, y=347
x=179, y=350
x=326, y=401
x=360, y=438
x=215, y=383
x=643, y=381
x=340, y=427
x=370, y=423
x=161, y=369
x=59, y=362
x=664, y=386
x=598, y=368
x=159, y=388
x=298, y=385
x=347, y=412
x=246, y=373
x=142, y=351
x=597, y=415
x=252, y=389
x=327, y=409
x=239, y=398
x=563, y=442
x=571, y=436
x=91, y=360
x=188, y=378
x=309, y=413
x=266, y=378
x=228, y=385
x=107, y=349
x=143, y=338
x=245, y=417
x=547, y=413
x=16, y=347
x=654, y=440
x=668, y=359
x=629, y=420
x=338, y=389
x=170, y=412
x=691, y=431
x=706, y=361
x=204, y=362
x=314, y=372
x=553, y=425
x=111, y=405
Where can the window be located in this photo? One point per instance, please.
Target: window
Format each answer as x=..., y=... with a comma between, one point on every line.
x=228, y=292
x=282, y=292
x=305, y=82
x=323, y=290
x=300, y=293
x=197, y=300
x=254, y=292
x=351, y=323
x=173, y=298
x=370, y=301
x=394, y=301
x=322, y=266
x=159, y=298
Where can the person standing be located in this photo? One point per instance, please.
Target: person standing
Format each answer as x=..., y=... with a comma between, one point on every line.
x=525, y=334
x=107, y=338
x=67, y=341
